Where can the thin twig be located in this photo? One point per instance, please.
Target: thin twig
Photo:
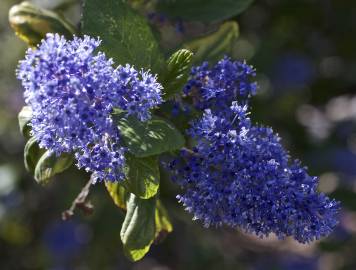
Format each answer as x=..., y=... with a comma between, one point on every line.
x=191, y=152
x=80, y=202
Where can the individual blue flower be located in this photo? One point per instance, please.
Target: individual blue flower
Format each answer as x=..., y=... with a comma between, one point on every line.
x=72, y=92
x=216, y=87
x=239, y=175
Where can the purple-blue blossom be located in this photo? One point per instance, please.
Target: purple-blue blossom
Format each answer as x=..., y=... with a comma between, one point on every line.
x=72, y=90
x=238, y=174
x=216, y=87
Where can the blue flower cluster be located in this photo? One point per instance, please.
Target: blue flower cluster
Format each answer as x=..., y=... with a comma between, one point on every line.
x=239, y=174
x=215, y=88
x=72, y=92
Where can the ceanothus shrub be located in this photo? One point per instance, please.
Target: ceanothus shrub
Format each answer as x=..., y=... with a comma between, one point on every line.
x=111, y=103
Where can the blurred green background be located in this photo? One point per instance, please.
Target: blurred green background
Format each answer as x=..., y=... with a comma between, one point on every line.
x=304, y=53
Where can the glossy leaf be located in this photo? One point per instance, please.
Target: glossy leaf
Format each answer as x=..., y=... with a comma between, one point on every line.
x=24, y=118
x=138, y=230
x=214, y=46
x=126, y=36
x=149, y=138
x=163, y=225
x=49, y=165
x=117, y=193
x=32, y=154
x=202, y=10
x=162, y=220
x=31, y=23
x=177, y=72
x=142, y=176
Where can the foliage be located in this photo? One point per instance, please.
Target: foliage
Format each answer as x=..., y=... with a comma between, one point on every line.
x=153, y=137
x=31, y=23
x=127, y=37
x=203, y=10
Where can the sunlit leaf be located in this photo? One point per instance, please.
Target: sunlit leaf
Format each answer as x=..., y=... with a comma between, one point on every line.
x=32, y=154
x=149, y=138
x=142, y=176
x=126, y=35
x=138, y=230
x=177, y=71
x=117, y=193
x=163, y=223
x=214, y=46
x=49, y=165
x=203, y=10
x=24, y=118
x=31, y=23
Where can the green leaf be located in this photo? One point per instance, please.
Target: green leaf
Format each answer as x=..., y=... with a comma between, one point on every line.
x=24, y=117
x=117, y=193
x=162, y=220
x=149, y=138
x=202, y=10
x=32, y=154
x=214, y=46
x=163, y=225
x=126, y=36
x=138, y=230
x=142, y=176
x=49, y=165
x=31, y=23
x=176, y=74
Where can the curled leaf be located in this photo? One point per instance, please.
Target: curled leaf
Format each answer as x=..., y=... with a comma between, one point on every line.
x=32, y=23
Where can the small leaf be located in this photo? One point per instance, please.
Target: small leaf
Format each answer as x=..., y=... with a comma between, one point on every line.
x=149, y=138
x=142, y=176
x=214, y=46
x=24, y=118
x=163, y=223
x=176, y=75
x=49, y=165
x=202, y=10
x=32, y=154
x=138, y=230
x=117, y=193
x=126, y=36
x=31, y=23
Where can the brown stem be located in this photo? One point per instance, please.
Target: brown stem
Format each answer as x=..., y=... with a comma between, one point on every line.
x=191, y=152
x=80, y=202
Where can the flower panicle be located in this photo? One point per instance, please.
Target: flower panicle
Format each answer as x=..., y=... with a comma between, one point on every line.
x=238, y=173
x=72, y=90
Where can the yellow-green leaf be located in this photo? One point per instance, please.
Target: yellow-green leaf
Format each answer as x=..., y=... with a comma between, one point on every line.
x=24, y=118
x=138, y=230
x=214, y=46
x=49, y=165
x=162, y=220
x=32, y=154
x=31, y=23
x=118, y=193
x=177, y=72
x=202, y=10
x=142, y=176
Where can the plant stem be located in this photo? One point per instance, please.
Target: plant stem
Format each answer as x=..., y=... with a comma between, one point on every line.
x=80, y=202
